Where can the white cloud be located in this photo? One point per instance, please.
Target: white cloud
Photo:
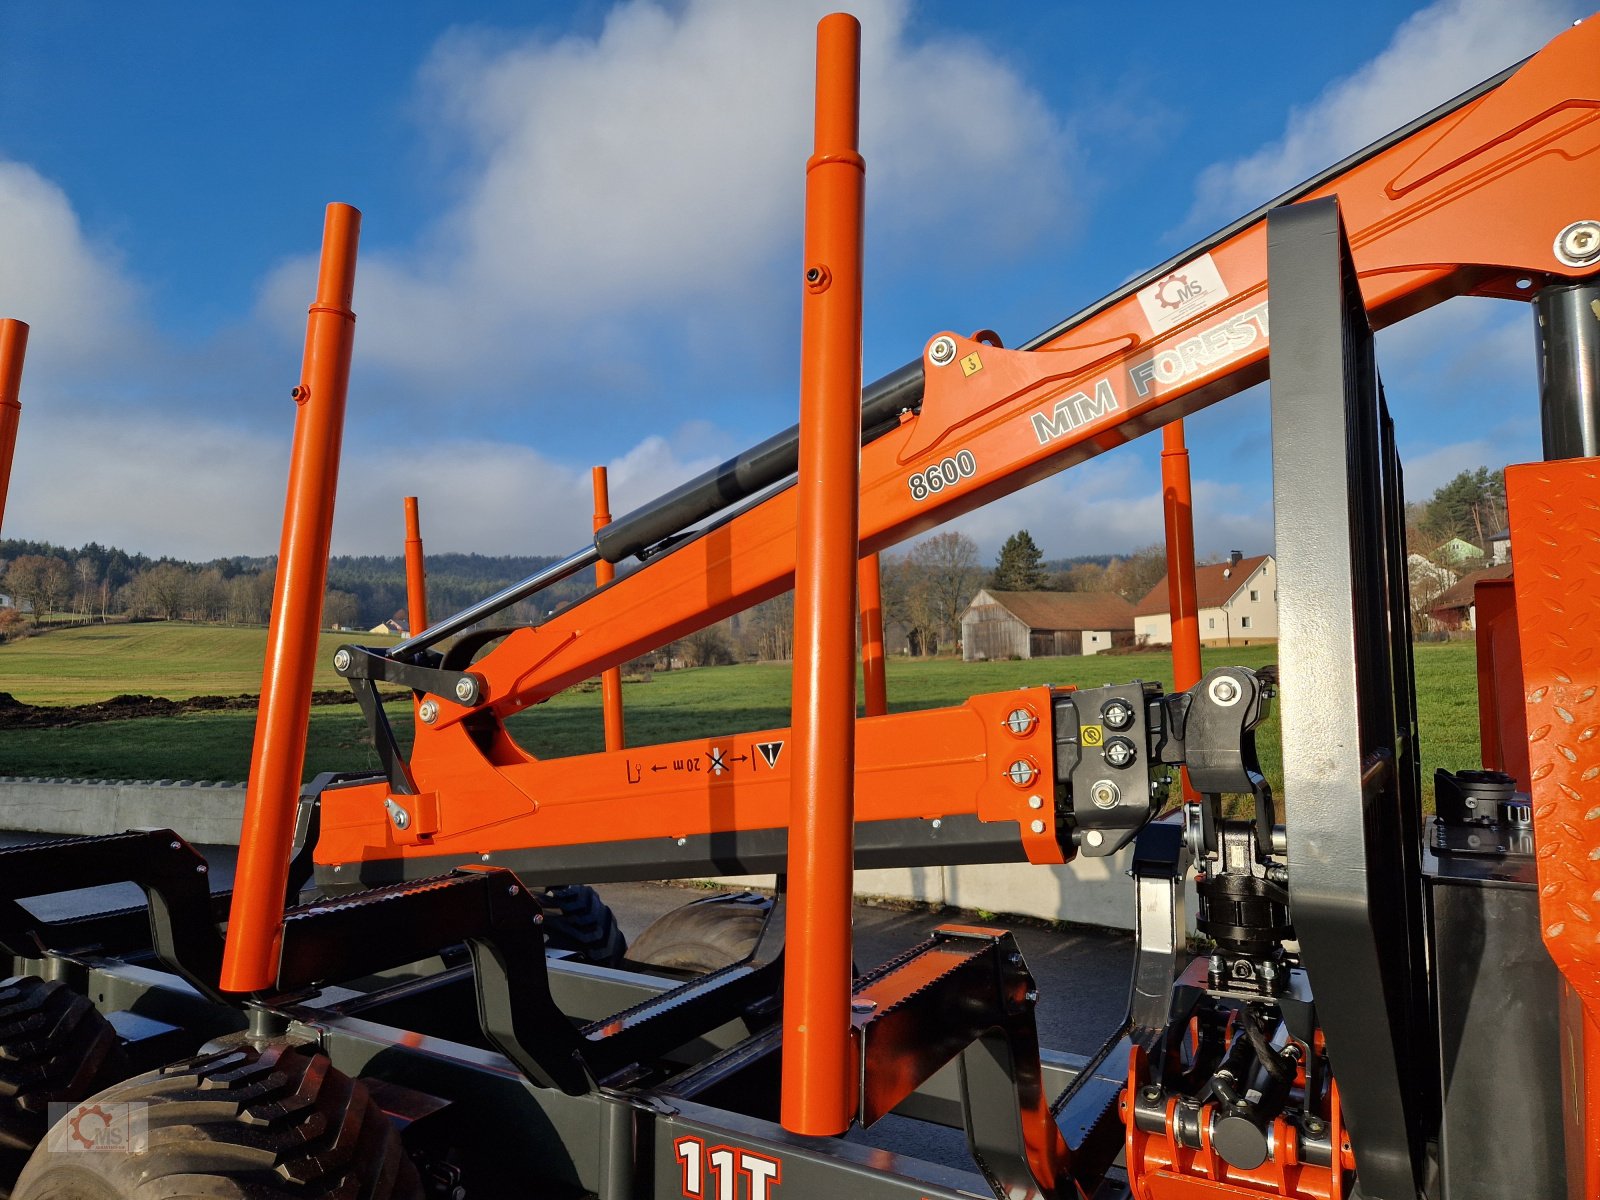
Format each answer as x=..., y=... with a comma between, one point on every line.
x=652, y=176
x=1112, y=505
x=1436, y=54
x=70, y=291
x=198, y=490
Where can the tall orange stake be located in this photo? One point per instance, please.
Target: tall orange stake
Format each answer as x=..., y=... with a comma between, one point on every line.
x=1177, y=507
x=604, y=573
x=250, y=960
x=818, y=1052
x=416, y=572
x=874, y=680
x=13, y=346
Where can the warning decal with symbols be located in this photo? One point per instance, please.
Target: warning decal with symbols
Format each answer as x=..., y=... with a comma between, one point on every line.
x=1092, y=735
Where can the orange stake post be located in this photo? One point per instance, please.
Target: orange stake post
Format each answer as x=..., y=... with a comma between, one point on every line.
x=250, y=959
x=818, y=1052
x=874, y=681
x=604, y=573
x=13, y=346
x=416, y=572
x=1177, y=507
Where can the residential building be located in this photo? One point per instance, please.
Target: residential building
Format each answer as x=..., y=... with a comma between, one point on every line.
x=999, y=625
x=1458, y=552
x=1237, y=601
x=1456, y=606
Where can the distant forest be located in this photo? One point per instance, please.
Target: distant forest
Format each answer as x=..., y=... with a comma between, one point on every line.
x=95, y=581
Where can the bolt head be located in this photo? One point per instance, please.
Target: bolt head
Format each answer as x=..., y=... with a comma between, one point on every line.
x=1578, y=244
x=428, y=710
x=1224, y=690
x=341, y=661
x=1037, y=826
x=943, y=351
x=464, y=690
x=1094, y=837
x=863, y=1006
x=1035, y=801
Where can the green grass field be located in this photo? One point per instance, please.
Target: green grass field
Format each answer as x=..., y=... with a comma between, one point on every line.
x=672, y=706
x=156, y=658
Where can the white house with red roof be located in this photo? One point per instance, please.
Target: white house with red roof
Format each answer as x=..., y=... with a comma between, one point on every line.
x=1238, y=602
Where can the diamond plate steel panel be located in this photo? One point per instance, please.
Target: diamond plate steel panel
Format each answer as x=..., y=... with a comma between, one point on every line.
x=1555, y=522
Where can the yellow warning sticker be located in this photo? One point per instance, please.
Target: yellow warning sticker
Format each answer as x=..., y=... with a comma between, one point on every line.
x=1092, y=735
x=971, y=364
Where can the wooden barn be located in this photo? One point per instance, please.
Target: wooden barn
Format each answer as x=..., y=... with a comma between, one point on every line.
x=1043, y=624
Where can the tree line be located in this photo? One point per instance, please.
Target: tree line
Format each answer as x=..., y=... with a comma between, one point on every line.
x=925, y=590
x=94, y=582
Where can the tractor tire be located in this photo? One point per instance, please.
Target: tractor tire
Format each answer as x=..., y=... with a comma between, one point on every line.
x=274, y=1123
x=55, y=1047
x=704, y=935
x=576, y=919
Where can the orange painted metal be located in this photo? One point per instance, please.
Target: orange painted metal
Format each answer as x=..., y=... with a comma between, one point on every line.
x=1555, y=526
x=250, y=959
x=1183, y=595
x=13, y=348
x=927, y=765
x=1502, y=723
x=604, y=573
x=416, y=572
x=818, y=1089
x=1160, y=1168
x=1427, y=221
x=874, y=679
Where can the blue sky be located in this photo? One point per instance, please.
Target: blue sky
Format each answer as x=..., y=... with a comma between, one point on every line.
x=581, y=241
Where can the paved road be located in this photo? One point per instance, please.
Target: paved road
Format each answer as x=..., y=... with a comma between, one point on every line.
x=1083, y=973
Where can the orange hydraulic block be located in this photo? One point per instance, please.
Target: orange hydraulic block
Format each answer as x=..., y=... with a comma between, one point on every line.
x=818, y=1050
x=1554, y=526
x=604, y=573
x=250, y=959
x=1177, y=506
x=416, y=572
x=874, y=681
x=13, y=346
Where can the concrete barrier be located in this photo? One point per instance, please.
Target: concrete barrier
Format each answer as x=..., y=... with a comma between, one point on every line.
x=205, y=813
x=1089, y=891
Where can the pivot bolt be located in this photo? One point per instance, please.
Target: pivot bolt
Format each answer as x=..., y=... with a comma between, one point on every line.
x=465, y=689
x=1578, y=244
x=1104, y=793
x=428, y=710
x=341, y=661
x=1224, y=690
x=943, y=350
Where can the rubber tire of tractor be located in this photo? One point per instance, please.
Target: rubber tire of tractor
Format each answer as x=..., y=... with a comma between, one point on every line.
x=576, y=919
x=55, y=1047
x=270, y=1123
x=704, y=935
